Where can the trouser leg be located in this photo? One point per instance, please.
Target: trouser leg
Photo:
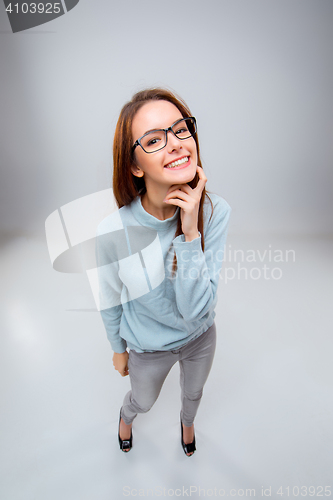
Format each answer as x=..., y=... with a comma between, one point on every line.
x=195, y=364
x=147, y=372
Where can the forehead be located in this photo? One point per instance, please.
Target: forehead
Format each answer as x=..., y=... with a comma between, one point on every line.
x=154, y=114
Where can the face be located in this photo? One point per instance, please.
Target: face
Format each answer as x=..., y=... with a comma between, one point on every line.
x=154, y=166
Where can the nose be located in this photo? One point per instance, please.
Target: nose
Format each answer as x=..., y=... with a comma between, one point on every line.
x=173, y=142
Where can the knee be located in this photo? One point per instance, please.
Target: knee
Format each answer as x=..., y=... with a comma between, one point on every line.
x=145, y=409
x=143, y=406
x=194, y=395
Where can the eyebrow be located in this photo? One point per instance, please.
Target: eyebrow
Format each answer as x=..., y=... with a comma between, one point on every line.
x=153, y=130
x=160, y=128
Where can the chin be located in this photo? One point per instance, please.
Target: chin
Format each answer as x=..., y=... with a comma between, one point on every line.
x=186, y=179
x=191, y=176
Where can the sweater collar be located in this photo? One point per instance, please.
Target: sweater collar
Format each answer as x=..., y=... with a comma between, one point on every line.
x=149, y=220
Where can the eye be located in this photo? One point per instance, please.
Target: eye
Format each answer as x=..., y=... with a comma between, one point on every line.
x=181, y=130
x=153, y=141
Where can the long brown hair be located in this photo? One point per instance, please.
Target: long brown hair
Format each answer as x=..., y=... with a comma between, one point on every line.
x=126, y=186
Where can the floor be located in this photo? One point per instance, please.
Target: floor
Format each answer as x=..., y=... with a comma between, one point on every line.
x=264, y=427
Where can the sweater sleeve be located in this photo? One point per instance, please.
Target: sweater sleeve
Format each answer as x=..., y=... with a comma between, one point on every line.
x=110, y=288
x=197, y=274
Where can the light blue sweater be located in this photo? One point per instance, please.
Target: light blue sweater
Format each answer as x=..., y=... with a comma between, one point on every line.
x=144, y=306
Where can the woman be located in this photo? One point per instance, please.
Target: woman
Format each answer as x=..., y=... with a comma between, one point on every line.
x=160, y=303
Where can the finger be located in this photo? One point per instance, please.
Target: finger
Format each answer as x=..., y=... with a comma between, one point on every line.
x=178, y=194
x=178, y=203
x=200, y=186
x=183, y=187
x=201, y=173
x=202, y=179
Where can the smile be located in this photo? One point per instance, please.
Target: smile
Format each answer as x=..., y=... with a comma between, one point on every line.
x=178, y=163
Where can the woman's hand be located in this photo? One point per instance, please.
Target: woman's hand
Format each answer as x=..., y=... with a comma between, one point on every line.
x=120, y=362
x=188, y=200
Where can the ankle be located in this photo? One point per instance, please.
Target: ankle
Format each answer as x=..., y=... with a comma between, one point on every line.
x=122, y=421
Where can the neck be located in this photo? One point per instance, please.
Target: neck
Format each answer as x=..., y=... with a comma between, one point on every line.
x=152, y=202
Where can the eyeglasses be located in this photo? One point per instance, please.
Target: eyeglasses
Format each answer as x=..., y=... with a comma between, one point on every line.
x=157, y=139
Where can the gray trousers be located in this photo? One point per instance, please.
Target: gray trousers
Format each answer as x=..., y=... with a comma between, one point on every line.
x=148, y=370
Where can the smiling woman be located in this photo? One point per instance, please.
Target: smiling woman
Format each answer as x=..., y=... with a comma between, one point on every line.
x=159, y=185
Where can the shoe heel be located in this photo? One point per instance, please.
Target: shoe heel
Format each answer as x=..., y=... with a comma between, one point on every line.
x=190, y=447
x=125, y=444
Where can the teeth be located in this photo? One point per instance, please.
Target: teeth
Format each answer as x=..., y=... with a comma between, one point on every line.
x=178, y=162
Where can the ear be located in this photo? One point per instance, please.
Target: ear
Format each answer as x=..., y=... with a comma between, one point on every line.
x=137, y=171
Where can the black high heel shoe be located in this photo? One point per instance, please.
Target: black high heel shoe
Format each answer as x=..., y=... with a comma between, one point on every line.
x=125, y=444
x=190, y=447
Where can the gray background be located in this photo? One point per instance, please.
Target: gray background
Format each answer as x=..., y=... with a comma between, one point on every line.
x=257, y=74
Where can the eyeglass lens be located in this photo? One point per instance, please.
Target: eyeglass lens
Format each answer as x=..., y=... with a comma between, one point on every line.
x=156, y=140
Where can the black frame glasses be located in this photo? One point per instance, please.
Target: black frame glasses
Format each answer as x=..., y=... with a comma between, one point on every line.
x=166, y=130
